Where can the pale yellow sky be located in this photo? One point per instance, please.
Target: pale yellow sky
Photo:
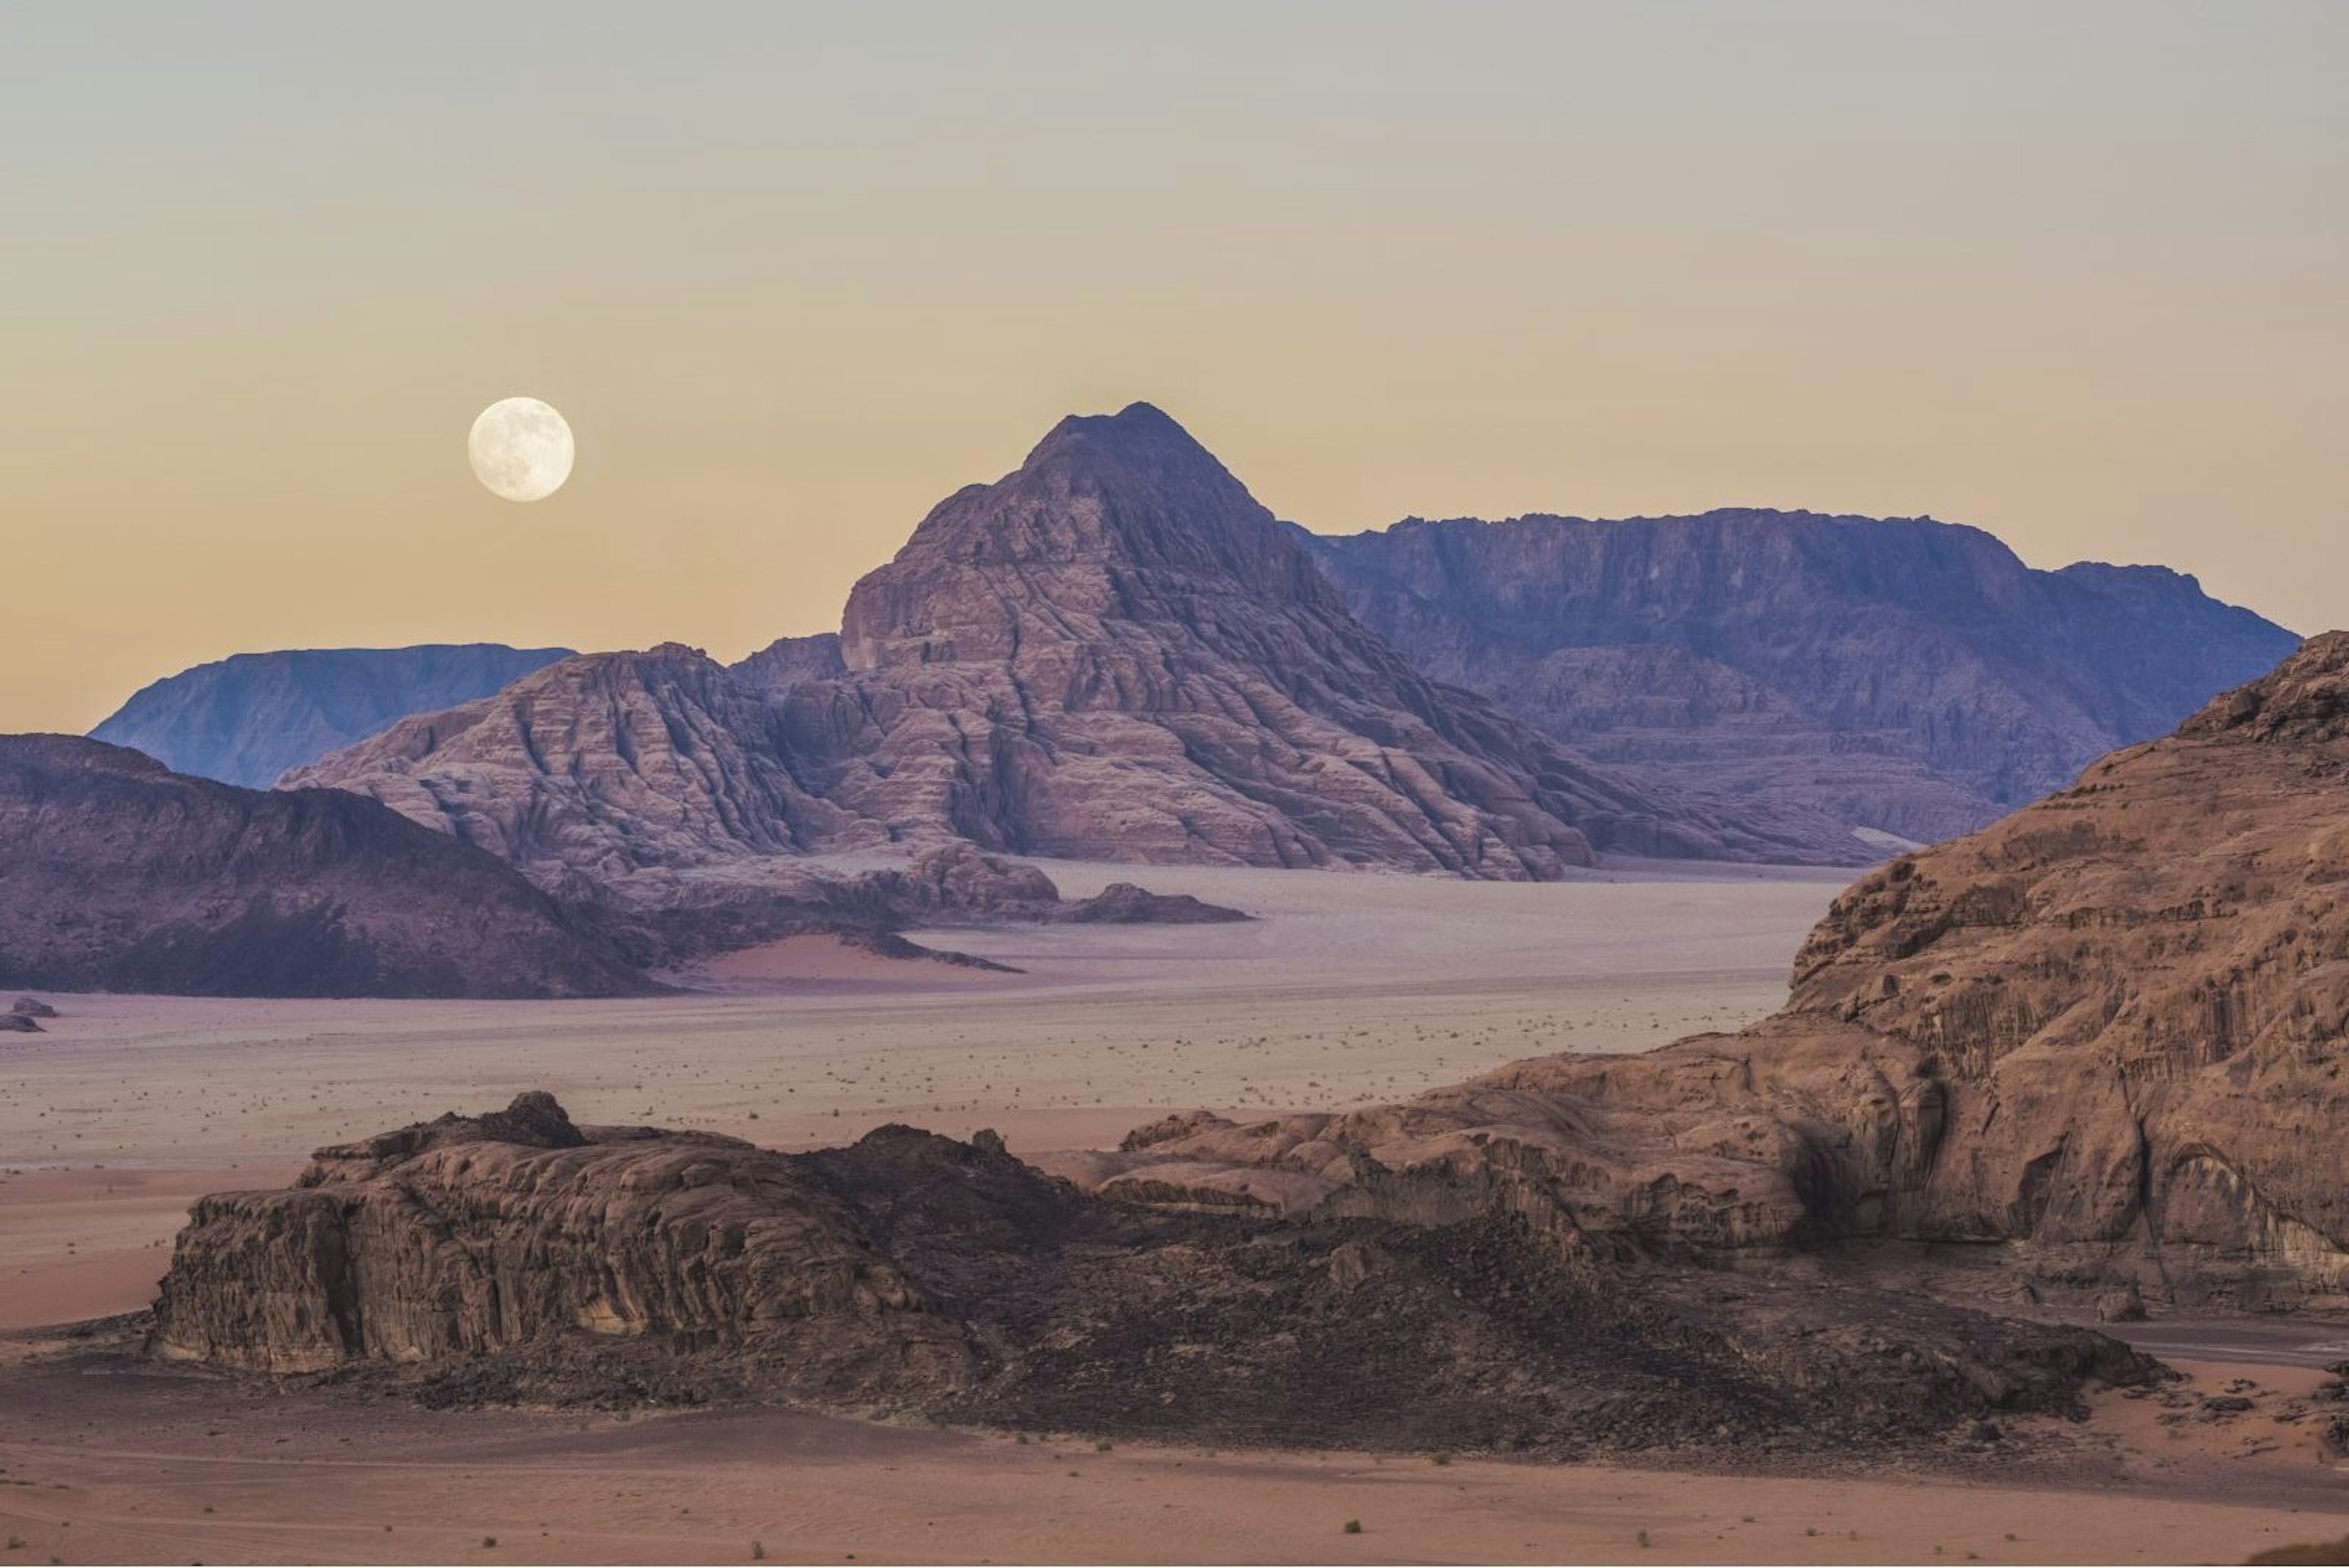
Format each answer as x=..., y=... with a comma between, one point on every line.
x=2073, y=273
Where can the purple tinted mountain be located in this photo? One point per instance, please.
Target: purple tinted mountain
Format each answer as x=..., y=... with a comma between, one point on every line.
x=1906, y=676
x=606, y=773
x=119, y=874
x=1115, y=652
x=247, y=718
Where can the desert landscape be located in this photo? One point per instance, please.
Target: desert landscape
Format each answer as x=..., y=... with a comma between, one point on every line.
x=1348, y=988
x=1499, y=783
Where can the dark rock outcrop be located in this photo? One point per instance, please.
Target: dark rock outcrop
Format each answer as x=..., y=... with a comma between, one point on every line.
x=247, y=718
x=32, y=1007
x=1904, y=675
x=2101, y=1044
x=19, y=1023
x=119, y=874
x=1125, y=904
x=1114, y=652
x=952, y=885
x=520, y=1257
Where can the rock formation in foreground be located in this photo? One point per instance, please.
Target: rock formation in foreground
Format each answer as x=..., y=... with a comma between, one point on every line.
x=247, y=718
x=518, y=1256
x=1904, y=675
x=119, y=874
x=1114, y=652
x=2098, y=1047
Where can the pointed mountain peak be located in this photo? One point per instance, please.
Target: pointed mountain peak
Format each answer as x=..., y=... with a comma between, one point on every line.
x=1138, y=443
x=1108, y=511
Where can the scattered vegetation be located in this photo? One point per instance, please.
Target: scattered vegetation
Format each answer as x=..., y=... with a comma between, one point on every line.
x=1353, y=1527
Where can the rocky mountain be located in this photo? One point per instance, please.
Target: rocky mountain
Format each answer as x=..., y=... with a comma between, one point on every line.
x=119, y=874
x=2097, y=1047
x=1903, y=676
x=247, y=718
x=609, y=774
x=516, y=1256
x=1115, y=652
x=787, y=662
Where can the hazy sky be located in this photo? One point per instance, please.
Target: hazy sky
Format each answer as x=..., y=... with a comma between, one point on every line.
x=2078, y=273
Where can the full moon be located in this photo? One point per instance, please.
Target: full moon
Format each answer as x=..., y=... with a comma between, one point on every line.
x=520, y=449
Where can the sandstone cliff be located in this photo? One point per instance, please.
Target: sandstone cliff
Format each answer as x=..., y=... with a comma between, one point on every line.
x=2099, y=1045
x=1115, y=652
x=517, y=1256
x=1907, y=675
x=117, y=875
x=592, y=772
x=247, y=718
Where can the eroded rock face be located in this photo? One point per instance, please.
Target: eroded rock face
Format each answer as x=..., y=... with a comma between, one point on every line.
x=247, y=718
x=1115, y=653
x=2104, y=1037
x=1900, y=675
x=518, y=1256
x=470, y=1236
x=593, y=771
x=787, y=662
x=117, y=875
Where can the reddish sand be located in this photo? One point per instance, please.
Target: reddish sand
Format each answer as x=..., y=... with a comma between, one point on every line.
x=140, y=1465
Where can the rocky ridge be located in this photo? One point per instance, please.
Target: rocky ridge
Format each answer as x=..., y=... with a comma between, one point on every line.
x=516, y=1256
x=119, y=874
x=246, y=718
x=2097, y=1048
x=1901, y=675
x=1115, y=652
x=1112, y=653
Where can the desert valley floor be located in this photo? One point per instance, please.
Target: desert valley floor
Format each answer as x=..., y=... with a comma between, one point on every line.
x=1350, y=989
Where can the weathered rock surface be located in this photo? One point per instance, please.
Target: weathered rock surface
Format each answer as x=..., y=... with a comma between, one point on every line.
x=1114, y=652
x=247, y=718
x=1903, y=675
x=119, y=874
x=517, y=1256
x=603, y=776
x=2100, y=1045
x=33, y=1007
x=787, y=662
x=19, y=1023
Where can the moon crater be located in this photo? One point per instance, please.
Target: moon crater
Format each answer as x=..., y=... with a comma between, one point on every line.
x=520, y=449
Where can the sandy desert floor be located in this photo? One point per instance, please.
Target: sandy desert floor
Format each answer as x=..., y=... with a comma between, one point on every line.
x=1349, y=989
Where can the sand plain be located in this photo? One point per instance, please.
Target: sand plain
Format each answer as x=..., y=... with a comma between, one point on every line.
x=1349, y=989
